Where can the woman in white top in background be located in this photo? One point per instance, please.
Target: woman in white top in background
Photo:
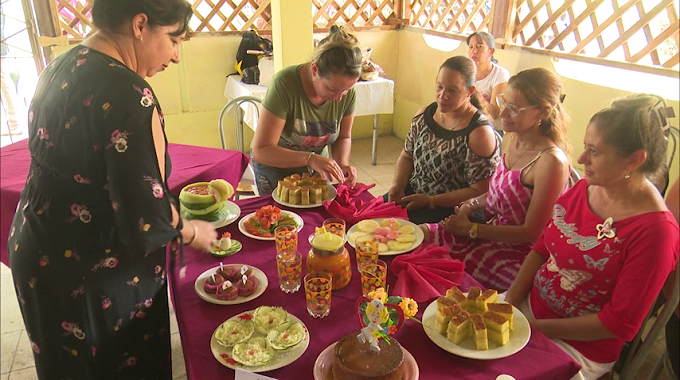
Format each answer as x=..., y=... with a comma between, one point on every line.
x=491, y=78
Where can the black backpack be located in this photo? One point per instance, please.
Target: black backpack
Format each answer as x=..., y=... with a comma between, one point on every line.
x=252, y=48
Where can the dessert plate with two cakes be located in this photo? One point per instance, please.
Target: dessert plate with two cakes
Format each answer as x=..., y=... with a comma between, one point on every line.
x=519, y=337
x=262, y=284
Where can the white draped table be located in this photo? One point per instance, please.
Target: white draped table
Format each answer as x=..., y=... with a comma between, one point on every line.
x=373, y=98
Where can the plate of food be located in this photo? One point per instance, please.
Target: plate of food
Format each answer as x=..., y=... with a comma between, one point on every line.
x=261, y=224
x=260, y=340
x=395, y=236
x=504, y=331
x=209, y=201
x=224, y=285
x=225, y=246
x=324, y=365
x=305, y=199
x=303, y=191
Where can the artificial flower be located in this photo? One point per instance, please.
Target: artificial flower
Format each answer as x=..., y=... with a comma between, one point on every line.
x=378, y=294
x=409, y=306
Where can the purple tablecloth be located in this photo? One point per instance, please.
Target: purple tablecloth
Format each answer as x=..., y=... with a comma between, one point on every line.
x=189, y=164
x=198, y=319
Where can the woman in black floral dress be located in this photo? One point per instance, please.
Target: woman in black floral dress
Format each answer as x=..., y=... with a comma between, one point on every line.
x=87, y=245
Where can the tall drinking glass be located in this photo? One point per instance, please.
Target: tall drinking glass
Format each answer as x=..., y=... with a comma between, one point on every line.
x=335, y=226
x=286, y=239
x=318, y=288
x=373, y=276
x=366, y=248
x=289, y=266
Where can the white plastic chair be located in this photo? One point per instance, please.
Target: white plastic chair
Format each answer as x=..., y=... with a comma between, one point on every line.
x=247, y=184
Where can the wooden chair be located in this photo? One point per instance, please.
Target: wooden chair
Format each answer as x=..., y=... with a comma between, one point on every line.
x=247, y=185
x=640, y=348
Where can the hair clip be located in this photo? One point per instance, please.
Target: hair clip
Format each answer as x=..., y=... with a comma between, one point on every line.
x=661, y=111
x=562, y=96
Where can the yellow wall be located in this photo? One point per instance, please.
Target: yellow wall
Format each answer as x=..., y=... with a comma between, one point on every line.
x=418, y=65
x=192, y=93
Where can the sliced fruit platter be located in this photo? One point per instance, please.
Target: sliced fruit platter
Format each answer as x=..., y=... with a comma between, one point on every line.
x=260, y=340
x=262, y=223
x=394, y=236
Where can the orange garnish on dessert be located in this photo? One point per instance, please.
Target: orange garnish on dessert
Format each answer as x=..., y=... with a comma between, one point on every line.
x=226, y=235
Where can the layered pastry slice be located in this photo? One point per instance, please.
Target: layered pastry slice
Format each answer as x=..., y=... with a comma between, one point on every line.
x=455, y=294
x=445, y=301
x=489, y=295
x=479, y=332
x=304, y=191
x=504, y=309
x=444, y=315
x=459, y=327
x=498, y=328
x=473, y=295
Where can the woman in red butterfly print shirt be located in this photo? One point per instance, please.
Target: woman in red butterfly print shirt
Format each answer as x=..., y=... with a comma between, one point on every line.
x=593, y=275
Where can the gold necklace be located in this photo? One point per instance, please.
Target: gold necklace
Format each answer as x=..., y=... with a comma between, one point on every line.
x=520, y=157
x=441, y=116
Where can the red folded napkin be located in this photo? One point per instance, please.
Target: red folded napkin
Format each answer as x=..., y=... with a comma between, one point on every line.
x=426, y=273
x=351, y=210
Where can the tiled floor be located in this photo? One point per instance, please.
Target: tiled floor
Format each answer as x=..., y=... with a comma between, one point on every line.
x=16, y=359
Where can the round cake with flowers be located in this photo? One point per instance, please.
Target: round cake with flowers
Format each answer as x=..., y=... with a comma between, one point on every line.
x=374, y=353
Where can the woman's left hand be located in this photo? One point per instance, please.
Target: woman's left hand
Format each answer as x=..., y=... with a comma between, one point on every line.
x=416, y=201
x=350, y=174
x=457, y=224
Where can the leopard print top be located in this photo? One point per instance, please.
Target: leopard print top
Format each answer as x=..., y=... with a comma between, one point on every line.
x=442, y=159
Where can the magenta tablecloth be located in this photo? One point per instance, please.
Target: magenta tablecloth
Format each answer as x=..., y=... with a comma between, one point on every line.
x=189, y=164
x=197, y=319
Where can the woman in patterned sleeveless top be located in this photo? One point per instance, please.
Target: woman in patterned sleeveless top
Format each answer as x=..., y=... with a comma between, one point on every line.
x=522, y=190
x=450, y=151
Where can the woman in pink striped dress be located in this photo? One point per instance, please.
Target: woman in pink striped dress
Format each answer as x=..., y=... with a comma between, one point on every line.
x=534, y=172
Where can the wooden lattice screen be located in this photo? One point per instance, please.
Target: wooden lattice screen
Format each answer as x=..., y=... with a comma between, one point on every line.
x=359, y=14
x=635, y=31
x=456, y=16
x=73, y=18
x=638, y=31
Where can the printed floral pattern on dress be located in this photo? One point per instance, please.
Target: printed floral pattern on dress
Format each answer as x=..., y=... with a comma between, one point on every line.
x=72, y=328
x=119, y=140
x=44, y=135
x=156, y=187
x=147, y=96
x=129, y=362
x=80, y=179
x=109, y=262
x=140, y=309
x=69, y=253
x=80, y=212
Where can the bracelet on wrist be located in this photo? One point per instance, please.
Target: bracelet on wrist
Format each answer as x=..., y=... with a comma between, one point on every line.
x=193, y=238
x=309, y=169
x=432, y=202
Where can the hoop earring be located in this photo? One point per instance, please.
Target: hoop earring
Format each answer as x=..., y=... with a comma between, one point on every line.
x=627, y=175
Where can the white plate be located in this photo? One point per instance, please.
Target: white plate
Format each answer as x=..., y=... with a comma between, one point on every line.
x=230, y=211
x=332, y=193
x=242, y=224
x=324, y=363
x=282, y=358
x=519, y=337
x=419, y=236
x=262, y=283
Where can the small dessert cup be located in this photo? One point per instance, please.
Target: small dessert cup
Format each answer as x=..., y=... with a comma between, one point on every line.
x=228, y=272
